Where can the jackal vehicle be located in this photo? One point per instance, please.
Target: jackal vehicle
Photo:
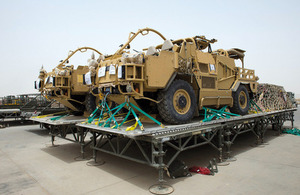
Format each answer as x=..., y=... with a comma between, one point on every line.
x=178, y=78
x=72, y=87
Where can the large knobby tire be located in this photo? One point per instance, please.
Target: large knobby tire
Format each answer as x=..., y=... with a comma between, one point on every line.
x=241, y=101
x=90, y=103
x=178, y=103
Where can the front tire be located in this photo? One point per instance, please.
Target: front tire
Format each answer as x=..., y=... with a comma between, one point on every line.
x=241, y=101
x=178, y=103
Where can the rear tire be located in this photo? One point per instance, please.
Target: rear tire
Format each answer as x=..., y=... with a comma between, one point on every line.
x=90, y=103
x=241, y=101
x=178, y=103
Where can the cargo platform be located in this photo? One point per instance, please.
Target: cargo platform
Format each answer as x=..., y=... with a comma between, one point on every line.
x=159, y=147
x=154, y=130
x=12, y=117
x=9, y=113
x=67, y=120
x=65, y=127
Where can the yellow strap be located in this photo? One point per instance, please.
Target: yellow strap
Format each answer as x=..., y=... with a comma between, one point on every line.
x=132, y=127
x=43, y=116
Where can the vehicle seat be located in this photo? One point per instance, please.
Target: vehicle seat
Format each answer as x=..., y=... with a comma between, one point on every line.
x=167, y=46
x=151, y=51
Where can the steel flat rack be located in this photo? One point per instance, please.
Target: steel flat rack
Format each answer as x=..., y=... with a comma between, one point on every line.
x=150, y=145
x=64, y=127
x=158, y=147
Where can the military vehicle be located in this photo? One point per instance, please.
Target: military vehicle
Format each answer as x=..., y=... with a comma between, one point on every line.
x=72, y=87
x=178, y=78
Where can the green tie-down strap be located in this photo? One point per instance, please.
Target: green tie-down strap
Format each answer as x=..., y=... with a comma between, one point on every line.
x=255, y=106
x=210, y=114
x=130, y=108
x=294, y=131
x=58, y=117
x=103, y=108
x=111, y=116
x=108, y=115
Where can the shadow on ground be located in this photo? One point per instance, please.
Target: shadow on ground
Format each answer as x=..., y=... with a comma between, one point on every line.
x=67, y=152
x=39, y=131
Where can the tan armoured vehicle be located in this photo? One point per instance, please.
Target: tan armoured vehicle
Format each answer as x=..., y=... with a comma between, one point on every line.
x=72, y=87
x=178, y=78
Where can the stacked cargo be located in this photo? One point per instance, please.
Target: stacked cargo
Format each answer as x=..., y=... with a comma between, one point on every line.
x=272, y=97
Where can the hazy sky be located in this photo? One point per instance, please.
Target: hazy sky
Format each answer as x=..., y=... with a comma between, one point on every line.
x=36, y=32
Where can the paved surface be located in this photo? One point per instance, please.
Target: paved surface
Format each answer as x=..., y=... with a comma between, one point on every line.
x=29, y=165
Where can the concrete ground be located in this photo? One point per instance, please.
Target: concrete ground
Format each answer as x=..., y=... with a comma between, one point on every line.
x=30, y=165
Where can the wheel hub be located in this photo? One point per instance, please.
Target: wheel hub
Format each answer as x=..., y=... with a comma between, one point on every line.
x=182, y=101
x=242, y=100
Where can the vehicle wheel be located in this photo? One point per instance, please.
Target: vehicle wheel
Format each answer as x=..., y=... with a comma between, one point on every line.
x=90, y=103
x=178, y=103
x=241, y=101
